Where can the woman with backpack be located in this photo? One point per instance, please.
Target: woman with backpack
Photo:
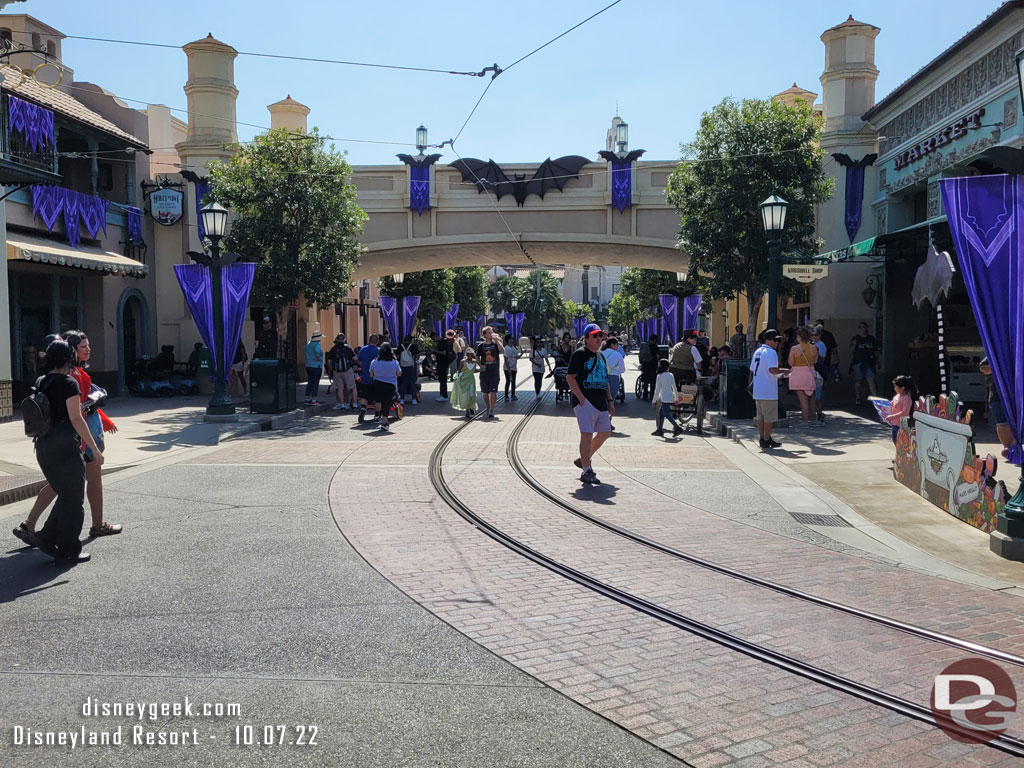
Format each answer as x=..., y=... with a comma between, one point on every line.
x=384, y=371
x=58, y=449
x=91, y=397
x=408, y=354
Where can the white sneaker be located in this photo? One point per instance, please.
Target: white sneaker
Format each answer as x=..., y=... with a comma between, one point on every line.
x=442, y=399
x=345, y=406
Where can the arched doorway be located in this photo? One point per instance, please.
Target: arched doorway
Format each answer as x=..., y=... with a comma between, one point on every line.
x=132, y=335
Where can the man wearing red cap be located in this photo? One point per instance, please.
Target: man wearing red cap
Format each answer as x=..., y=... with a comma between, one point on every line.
x=588, y=381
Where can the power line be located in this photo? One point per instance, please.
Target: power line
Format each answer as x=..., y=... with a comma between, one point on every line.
x=559, y=37
x=313, y=59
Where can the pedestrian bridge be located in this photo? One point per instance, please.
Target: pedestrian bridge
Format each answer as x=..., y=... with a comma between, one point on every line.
x=462, y=227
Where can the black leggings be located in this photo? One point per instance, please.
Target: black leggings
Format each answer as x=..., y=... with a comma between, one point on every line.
x=538, y=379
x=510, y=381
x=60, y=458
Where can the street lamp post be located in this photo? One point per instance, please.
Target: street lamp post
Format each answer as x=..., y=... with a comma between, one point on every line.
x=215, y=219
x=773, y=216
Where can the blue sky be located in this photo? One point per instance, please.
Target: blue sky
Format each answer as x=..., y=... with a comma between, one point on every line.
x=663, y=61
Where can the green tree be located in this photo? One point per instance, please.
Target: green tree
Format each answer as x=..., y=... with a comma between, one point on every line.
x=470, y=291
x=435, y=287
x=623, y=310
x=572, y=309
x=744, y=152
x=501, y=292
x=297, y=218
x=543, y=304
x=644, y=285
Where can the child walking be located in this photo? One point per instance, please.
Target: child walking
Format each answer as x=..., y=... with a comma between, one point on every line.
x=665, y=393
x=903, y=403
x=463, y=395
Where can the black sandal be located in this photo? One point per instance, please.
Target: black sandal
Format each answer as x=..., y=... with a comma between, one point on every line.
x=24, y=533
x=104, y=529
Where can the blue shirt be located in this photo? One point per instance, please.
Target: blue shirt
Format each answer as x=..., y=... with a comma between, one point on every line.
x=367, y=355
x=314, y=355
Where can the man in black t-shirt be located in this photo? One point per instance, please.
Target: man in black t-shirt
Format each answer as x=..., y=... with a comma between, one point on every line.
x=863, y=361
x=490, y=353
x=588, y=381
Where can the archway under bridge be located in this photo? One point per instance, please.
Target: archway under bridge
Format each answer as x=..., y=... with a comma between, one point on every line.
x=578, y=225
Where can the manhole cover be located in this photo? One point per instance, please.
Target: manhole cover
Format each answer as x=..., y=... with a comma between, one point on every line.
x=827, y=521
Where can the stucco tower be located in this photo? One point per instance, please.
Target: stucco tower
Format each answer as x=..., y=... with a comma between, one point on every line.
x=848, y=91
x=288, y=114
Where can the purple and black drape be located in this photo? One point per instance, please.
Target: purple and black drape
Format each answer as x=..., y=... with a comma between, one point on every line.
x=622, y=186
x=410, y=309
x=419, y=188
x=451, y=317
x=389, y=309
x=33, y=122
x=134, y=223
x=514, y=323
x=472, y=328
x=854, y=189
x=669, y=317
x=986, y=218
x=691, y=311
x=53, y=203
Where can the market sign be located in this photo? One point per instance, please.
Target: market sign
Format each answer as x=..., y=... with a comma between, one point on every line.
x=165, y=206
x=804, y=273
x=947, y=135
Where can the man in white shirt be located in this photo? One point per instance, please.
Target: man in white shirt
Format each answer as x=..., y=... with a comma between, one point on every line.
x=616, y=366
x=764, y=373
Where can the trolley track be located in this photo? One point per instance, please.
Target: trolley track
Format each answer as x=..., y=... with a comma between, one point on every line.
x=870, y=694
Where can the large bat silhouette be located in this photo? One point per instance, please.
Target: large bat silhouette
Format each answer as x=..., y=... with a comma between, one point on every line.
x=552, y=174
x=611, y=157
x=417, y=161
x=848, y=162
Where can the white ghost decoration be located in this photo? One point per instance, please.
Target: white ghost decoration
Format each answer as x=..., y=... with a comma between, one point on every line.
x=934, y=277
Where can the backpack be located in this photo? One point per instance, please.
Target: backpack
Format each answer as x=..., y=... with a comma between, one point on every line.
x=644, y=351
x=406, y=358
x=35, y=412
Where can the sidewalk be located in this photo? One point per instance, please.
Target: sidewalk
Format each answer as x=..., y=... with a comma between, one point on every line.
x=148, y=429
x=849, y=458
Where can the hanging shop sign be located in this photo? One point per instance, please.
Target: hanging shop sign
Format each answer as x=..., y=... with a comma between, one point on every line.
x=804, y=273
x=946, y=136
x=165, y=206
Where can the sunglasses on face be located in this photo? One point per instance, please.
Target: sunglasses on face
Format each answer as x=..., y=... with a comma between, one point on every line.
x=599, y=335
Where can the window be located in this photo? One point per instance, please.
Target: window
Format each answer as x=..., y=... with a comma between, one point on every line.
x=595, y=293
x=5, y=37
x=616, y=287
x=51, y=47
x=37, y=42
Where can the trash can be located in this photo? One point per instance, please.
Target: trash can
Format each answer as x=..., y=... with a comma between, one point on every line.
x=736, y=402
x=271, y=388
x=204, y=376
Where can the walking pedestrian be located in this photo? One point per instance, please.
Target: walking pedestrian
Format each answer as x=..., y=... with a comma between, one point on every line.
x=445, y=354
x=803, y=378
x=863, y=364
x=588, y=381
x=764, y=368
x=463, y=397
x=831, y=350
x=823, y=371
x=511, y=364
x=59, y=453
x=408, y=354
x=539, y=360
x=460, y=346
x=665, y=395
x=903, y=404
x=341, y=360
x=565, y=349
x=384, y=371
x=314, y=368
x=616, y=366
x=648, y=354
x=490, y=353
x=365, y=357
x=91, y=397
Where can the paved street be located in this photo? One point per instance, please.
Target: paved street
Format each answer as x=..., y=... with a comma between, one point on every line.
x=313, y=576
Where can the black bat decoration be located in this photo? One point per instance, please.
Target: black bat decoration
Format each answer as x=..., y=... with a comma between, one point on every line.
x=552, y=174
x=848, y=162
x=612, y=157
x=410, y=160
x=193, y=177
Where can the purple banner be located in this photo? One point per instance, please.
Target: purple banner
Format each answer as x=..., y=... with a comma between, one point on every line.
x=622, y=186
x=520, y=317
x=670, y=317
x=410, y=308
x=53, y=203
x=854, y=189
x=439, y=327
x=419, y=188
x=451, y=317
x=467, y=328
x=236, y=282
x=477, y=325
x=986, y=218
x=195, y=283
x=93, y=212
x=389, y=309
x=134, y=223
x=202, y=189
x=691, y=311
x=47, y=204
x=33, y=122
x=510, y=323
x=72, y=209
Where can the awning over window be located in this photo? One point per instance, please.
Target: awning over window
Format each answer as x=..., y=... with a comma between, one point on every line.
x=849, y=252
x=26, y=248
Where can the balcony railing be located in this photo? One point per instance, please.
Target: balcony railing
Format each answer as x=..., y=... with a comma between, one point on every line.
x=14, y=148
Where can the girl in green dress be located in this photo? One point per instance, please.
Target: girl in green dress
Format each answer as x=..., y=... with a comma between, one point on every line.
x=463, y=395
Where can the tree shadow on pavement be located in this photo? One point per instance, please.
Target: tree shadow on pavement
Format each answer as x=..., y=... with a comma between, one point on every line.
x=25, y=571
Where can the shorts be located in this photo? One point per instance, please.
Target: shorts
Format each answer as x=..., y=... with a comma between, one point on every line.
x=591, y=420
x=92, y=420
x=767, y=410
x=384, y=392
x=996, y=412
x=490, y=377
x=862, y=371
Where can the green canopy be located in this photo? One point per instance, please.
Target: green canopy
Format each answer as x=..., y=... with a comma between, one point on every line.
x=847, y=253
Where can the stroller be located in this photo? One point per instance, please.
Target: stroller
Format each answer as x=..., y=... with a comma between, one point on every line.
x=561, y=385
